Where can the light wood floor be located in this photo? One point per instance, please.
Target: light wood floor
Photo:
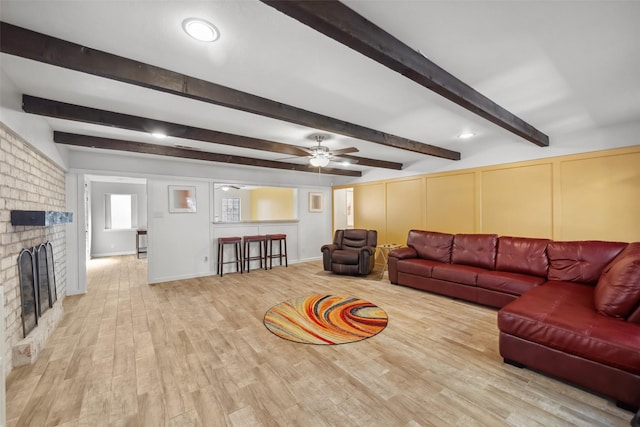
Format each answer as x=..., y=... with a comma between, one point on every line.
x=195, y=352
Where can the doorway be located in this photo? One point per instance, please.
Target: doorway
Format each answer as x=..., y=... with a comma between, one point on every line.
x=343, y=215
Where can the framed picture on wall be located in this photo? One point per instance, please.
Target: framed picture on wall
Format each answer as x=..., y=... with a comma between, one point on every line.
x=182, y=199
x=316, y=202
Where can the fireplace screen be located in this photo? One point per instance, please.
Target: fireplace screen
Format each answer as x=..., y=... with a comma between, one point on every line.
x=43, y=280
x=37, y=283
x=27, y=270
x=53, y=294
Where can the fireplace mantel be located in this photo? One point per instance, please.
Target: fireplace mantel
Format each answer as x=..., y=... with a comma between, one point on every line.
x=40, y=218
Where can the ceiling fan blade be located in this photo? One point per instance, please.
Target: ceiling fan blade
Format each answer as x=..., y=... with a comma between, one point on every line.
x=290, y=158
x=309, y=151
x=350, y=160
x=345, y=151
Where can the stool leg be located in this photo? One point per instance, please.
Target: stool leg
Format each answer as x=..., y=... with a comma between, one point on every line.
x=247, y=255
x=270, y=252
x=280, y=251
x=239, y=261
x=286, y=254
x=220, y=257
x=265, y=253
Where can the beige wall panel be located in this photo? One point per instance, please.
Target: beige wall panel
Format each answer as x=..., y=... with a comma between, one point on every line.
x=600, y=198
x=272, y=203
x=518, y=201
x=406, y=209
x=369, y=209
x=451, y=206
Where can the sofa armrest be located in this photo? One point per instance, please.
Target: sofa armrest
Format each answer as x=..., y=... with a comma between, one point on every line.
x=327, y=251
x=403, y=253
x=396, y=255
x=366, y=260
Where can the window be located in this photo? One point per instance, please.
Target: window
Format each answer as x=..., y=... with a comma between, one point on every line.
x=231, y=209
x=119, y=211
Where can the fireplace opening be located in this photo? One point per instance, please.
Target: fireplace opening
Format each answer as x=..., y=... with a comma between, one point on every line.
x=26, y=267
x=37, y=284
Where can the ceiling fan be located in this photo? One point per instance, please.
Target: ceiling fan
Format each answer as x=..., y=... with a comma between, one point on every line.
x=227, y=187
x=320, y=155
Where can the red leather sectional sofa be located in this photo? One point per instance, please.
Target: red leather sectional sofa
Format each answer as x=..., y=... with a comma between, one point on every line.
x=568, y=309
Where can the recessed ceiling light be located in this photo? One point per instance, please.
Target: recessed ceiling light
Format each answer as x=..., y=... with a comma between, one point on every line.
x=466, y=135
x=201, y=30
x=345, y=163
x=158, y=135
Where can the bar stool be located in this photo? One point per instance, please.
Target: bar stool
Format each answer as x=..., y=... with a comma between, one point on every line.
x=261, y=240
x=237, y=242
x=280, y=238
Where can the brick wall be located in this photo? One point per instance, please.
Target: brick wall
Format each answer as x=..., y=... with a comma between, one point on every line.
x=30, y=181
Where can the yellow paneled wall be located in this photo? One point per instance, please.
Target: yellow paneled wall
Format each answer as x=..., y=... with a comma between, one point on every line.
x=600, y=198
x=451, y=203
x=517, y=201
x=578, y=197
x=369, y=209
x=272, y=203
x=406, y=208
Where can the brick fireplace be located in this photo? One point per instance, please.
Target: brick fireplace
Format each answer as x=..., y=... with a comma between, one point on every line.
x=30, y=181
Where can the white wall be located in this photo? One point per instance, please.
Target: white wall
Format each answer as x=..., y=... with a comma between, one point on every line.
x=340, y=208
x=76, y=235
x=115, y=242
x=31, y=128
x=314, y=227
x=178, y=243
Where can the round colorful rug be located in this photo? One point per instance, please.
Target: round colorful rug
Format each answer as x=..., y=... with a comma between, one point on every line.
x=325, y=319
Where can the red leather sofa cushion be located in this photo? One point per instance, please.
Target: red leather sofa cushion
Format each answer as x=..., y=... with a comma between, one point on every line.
x=618, y=290
x=510, y=283
x=523, y=255
x=478, y=250
x=580, y=261
x=560, y=315
x=431, y=245
x=417, y=266
x=458, y=273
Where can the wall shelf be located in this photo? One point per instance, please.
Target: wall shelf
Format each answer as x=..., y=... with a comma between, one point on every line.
x=40, y=218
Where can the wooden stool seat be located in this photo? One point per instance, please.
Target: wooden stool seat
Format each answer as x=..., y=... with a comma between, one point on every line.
x=261, y=240
x=280, y=238
x=237, y=243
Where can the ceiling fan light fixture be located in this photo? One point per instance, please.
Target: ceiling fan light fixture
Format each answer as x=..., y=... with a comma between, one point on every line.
x=319, y=161
x=200, y=29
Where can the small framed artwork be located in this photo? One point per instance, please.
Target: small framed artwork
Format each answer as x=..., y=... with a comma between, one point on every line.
x=316, y=202
x=182, y=199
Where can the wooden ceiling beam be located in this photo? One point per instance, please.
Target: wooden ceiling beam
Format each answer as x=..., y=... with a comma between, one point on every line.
x=344, y=25
x=50, y=50
x=163, y=150
x=362, y=161
x=62, y=110
x=78, y=113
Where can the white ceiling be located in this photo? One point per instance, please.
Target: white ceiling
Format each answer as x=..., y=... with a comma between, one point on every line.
x=562, y=66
